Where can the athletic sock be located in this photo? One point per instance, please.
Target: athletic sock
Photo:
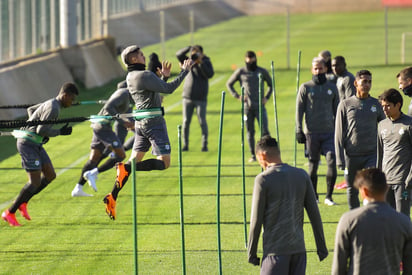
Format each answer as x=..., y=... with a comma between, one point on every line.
x=26, y=193
x=150, y=164
x=89, y=165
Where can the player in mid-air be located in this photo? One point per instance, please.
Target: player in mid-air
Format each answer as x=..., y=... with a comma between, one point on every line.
x=150, y=126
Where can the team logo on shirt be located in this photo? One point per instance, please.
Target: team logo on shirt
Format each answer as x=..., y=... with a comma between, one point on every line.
x=329, y=91
x=401, y=131
x=373, y=108
x=115, y=144
x=37, y=162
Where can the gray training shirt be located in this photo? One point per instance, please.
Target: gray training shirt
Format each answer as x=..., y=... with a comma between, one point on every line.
x=279, y=196
x=318, y=103
x=47, y=110
x=395, y=149
x=356, y=127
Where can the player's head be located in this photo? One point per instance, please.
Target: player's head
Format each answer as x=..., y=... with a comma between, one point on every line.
x=363, y=83
x=405, y=80
x=338, y=65
x=267, y=150
x=318, y=65
x=391, y=101
x=251, y=60
x=154, y=63
x=133, y=55
x=67, y=94
x=373, y=180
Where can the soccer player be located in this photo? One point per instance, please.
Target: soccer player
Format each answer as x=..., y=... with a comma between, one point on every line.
x=395, y=151
x=105, y=138
x=280, y=195
x=373, y=239
x=356, y=132
x=150, y=126
x=317, y=101
x=248, y=77
x=345, y=81
x=35, y=159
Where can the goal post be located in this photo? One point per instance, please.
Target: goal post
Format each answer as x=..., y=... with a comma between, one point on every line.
x=405, y=35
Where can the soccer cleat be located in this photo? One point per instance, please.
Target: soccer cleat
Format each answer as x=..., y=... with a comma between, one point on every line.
x=91, y=177
x=252, y=159
x=329, y=202
x=23, y=211
x=122, y=174
x=205, y=149
x=10, y=218
x=78, y=192
x=110, y=206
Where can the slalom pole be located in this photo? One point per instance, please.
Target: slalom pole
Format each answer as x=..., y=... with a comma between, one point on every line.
x=134, y=195
x=218, y=183
x=297, y=90
x=260, y=104
x=243, y=163
x=274, y=102
x=182, y=219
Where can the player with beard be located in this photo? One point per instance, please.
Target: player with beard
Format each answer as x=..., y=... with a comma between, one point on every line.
x=405, y=84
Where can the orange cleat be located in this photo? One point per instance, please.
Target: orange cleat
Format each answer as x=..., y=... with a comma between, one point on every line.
x=10, y=218
x=23, y=211
x=122, y=174
x=110, y=206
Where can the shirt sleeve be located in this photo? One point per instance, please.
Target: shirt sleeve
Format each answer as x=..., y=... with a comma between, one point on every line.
x=342, y=248
x=231, y=81
x=300, y=107
x=256, y=217
x=312, y=210
x=268, y=79
x=155, y=84
x=340, y=129
x=379, y=152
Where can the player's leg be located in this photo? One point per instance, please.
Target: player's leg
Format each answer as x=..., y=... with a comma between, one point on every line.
x=331, y=173
x=251, y=115
x=89, y=170
x=187, y=112
x=313, y=149
x=201, y=107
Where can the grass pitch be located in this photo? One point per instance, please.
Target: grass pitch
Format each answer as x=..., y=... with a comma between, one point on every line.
x=74, y=236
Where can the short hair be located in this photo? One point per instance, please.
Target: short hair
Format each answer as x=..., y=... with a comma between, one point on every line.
x=392, y=95
x=373, y=179
x=405, y=73
x=325, y=54
x=197, y=48
x=250, y=54
x=361, y=73
x=69, y=88
x=340, y=59
x=126, y=53
x=267, y=144
x=318, y=59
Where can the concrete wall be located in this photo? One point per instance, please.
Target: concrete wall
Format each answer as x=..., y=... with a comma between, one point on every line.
x=38, y=78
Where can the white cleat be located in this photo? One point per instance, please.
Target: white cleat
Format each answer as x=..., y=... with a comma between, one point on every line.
x=91, y=177
x=78, y=192
x=329, y=202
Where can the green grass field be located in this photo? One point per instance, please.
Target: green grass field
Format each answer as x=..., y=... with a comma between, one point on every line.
x=74, y=236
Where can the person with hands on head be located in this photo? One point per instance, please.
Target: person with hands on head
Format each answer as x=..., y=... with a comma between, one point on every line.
x=356, y=132
x=373, y=239
x=35, y=159
x=280, y=195
x=145, y=88
x=395, y=151
x=248, y=78
x=316, y=104
x=195, y=92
